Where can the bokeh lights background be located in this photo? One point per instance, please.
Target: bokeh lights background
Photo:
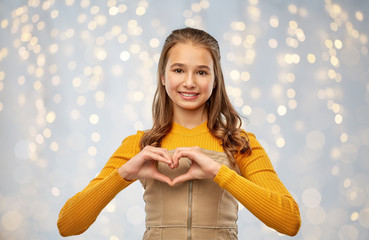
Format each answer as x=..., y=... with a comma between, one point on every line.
x=77, y=77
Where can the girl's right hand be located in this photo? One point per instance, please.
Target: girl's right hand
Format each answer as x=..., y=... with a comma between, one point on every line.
x=143, y=165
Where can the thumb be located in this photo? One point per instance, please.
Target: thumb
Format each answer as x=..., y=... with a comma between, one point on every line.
x=181, y=178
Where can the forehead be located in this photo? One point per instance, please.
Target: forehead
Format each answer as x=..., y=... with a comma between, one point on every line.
x=187, y=53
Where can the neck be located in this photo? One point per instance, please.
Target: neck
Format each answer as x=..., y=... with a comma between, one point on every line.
x=189, y=119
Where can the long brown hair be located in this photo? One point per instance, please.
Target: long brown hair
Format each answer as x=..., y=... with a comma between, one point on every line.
x=223, y=120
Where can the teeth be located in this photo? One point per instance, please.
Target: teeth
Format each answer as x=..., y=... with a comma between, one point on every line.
x=189, y=94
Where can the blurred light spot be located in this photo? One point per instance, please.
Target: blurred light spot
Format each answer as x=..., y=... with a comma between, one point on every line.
x=238, y=102
x=114, y=238
x=364, y=217
x=255, y=93
x=113, y=11
x=55, y=80
x=39, y=139
x=273, y=43
x=57, y=98
x=74, y=114
x=282, y=110
x=111, y=207
x=311, y=197
x=94, y=118
x=247, y=110
x=124, y=56
x=2, y=76
x=81, y=100
x=316, y=215
x=338, y=44
x=100, y=96
x=46, y=132
x=95, y=137
x=359, y=16
x=254, y=12
x=135, y=214
x=347, y=183
x=54, y=146
x=154, y=43
x=274, y=21
x=354, y=216
x=343, y=137
x=335, y=171
x=291, y=93
x=54, y=14
x=292, y=8
x=270, y=118
x=311, y=58
x=234, y=74
x=295, y=58
x=315, y=140
x=11, y=220
x=356, y=196
x=4, y=23
x=140, y=11
x=122, y=8
x=138, y=96
x=336, y=108
x=338, y=119
x=292, y=104
x=245, y=76
x=290, y=77
x=238, y=26
x=100, y=54
x=276, y=129
x=55, y=191
x=50, y=117
x=292, y=42
x=280, y=142
x=92, y=151
x=138, y=126
x=196, y=7
x=335, y=153
x=348, y=232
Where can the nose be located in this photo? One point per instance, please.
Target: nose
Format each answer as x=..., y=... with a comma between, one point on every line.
x=189, y=81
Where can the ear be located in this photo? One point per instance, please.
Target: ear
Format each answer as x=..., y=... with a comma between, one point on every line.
x=162, y=80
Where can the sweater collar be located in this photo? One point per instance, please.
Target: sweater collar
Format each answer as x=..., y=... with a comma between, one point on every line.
x=179, y=129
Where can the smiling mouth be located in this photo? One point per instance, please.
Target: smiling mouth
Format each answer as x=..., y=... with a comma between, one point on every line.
x=188, y=94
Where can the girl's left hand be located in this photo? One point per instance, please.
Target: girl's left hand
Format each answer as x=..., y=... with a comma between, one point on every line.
x=202, y=167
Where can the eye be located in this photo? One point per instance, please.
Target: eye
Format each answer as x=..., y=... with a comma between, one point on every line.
x=202, y=73
x=178, y=70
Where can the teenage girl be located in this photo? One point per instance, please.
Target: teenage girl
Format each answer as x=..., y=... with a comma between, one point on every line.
x=195, y=163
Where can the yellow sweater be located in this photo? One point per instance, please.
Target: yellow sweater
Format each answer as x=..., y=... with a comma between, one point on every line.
x=258, y=189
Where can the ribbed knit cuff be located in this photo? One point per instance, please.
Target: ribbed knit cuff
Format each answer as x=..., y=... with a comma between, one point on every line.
x=224, y=176
x=118, y=181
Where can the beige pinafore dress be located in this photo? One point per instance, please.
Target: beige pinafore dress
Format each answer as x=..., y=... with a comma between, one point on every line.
x=196, y=209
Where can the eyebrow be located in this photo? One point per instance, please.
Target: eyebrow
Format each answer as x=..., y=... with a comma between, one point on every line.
x=183, y=65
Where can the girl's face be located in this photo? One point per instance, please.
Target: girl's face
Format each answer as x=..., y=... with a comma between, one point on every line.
x=188, y=78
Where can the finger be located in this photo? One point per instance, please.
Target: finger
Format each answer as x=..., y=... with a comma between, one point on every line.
x=180, y=153
x=161, y=152
x=181, y=178
x=157, y=157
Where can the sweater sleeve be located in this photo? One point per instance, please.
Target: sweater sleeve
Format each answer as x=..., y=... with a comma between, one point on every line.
x=80, y=211
x=261, y=191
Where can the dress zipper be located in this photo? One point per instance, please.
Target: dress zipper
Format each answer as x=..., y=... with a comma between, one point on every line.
x=189, y=209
